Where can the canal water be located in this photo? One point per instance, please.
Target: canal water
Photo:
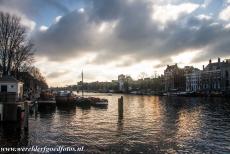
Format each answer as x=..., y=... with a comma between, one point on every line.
x=147, y=124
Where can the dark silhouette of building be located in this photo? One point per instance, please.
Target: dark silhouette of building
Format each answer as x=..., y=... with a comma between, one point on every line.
x=174, y=78
x=225, y=76
x=211, y=77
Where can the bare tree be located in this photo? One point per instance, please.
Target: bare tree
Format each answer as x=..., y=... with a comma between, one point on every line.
x=15, y=50
x=23, y=58
x=36, y=73
x=142, y=75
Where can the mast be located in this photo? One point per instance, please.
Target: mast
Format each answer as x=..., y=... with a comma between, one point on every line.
x=82, y=83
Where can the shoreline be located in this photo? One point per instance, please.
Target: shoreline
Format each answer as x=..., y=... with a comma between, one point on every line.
x=167, y=95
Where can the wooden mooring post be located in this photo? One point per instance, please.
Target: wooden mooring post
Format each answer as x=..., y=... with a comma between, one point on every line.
x=120, y=106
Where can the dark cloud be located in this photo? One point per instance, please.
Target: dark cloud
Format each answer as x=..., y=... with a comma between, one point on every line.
x=135, y=35
x=31, y=8
x=104, y=9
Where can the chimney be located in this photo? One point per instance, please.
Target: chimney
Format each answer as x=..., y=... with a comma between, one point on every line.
x=218, y=59
x=210, y=61
x=203, y=67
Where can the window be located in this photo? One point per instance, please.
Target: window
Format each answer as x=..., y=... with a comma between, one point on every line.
x=4, y=88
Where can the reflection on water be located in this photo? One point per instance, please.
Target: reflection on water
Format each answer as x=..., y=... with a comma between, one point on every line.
x=144, y=124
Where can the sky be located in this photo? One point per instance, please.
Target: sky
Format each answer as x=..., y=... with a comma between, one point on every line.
x=105, y=38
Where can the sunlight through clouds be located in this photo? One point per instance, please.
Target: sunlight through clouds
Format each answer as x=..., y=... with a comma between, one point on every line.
x=185, y=57
x=169, y=12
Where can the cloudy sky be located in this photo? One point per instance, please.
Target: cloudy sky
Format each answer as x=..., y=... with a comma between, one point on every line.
x=109, y=37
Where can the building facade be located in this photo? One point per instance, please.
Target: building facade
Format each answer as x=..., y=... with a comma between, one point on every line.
x=215, y=77
x=121, y=82
x=193, y=81
x=211, y=77
x=174, y=78
x=225, y=76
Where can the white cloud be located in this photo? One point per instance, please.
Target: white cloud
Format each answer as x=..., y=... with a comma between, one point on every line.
x=81, y=10
x=30, y=24
x=57, y=19
x=43, y=28
x=185, y=57
x=227, y=26
x=206, y=3
x=169, y=12
x=107, y=26
x=25, y=21
x=225, y=14
x=204, y=17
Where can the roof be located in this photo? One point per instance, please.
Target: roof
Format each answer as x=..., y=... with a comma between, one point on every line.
x=172, y=67
x=214, y=66
x=8, y=78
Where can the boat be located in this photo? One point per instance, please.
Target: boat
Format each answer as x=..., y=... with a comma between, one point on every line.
x=83, y=102
x=90, y=101
x=183, y=93
x=98, y=102
x=65, y=98
x=46, y=100
x=170, y=94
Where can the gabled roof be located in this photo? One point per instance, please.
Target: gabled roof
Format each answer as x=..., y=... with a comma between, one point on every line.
x=172, y=67
x=7, y=78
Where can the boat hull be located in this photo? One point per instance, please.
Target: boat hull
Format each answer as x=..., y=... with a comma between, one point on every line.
x=65, y=100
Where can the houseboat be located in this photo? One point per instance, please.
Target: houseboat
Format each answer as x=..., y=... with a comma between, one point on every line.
x=46, y=100
x=65, y=98
x=98, y=102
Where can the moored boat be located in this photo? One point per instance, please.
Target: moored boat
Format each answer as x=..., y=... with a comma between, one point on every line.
x=100, y=102
x=83, y=102
x=46, y=100
x=91, y=101
x=65, y=98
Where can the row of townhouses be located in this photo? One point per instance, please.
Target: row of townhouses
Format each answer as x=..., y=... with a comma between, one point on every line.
x=212, y=78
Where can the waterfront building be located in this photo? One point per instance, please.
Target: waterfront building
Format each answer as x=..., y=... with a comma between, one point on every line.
x=124, y=83
x=174, y=78
x=225, y=76
x=193, y=80
x=121, y=82
x=211, y=77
